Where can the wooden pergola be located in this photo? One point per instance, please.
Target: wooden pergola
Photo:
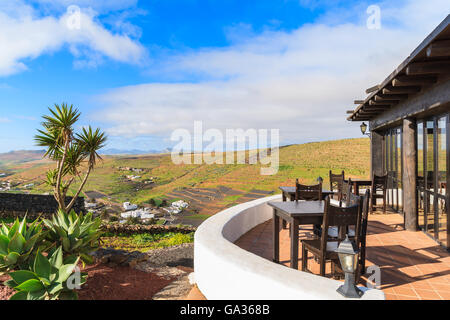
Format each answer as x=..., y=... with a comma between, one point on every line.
x=417, y=91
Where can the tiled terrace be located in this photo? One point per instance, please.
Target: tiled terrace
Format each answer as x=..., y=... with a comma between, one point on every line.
x=413, y=266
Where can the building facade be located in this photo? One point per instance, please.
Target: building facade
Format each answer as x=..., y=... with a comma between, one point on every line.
x=408, y=115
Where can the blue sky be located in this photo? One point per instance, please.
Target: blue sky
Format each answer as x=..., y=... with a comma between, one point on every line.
x=141, y=69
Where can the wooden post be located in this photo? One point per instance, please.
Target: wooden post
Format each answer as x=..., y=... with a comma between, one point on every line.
x=376, y=151
x=410, y=174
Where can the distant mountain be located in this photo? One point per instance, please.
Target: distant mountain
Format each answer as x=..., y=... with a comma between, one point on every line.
x=20, y=156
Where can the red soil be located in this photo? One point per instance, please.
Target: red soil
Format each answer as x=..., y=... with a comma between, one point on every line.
x=120, y=283
x=5, y=292
x=106, y=283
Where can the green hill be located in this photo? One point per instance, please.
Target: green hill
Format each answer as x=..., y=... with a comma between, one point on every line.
x=209, y=187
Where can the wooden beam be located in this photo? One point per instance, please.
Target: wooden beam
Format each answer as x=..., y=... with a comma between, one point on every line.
x=431, y=67
x=384, y=102
x=350, y=111
x=404, y=81
x=397, y=97
x=372, y=89
x=358, y=101
x=409, y=150
x=403, y=90
x=369, y=114
x=379, y=106
x=439, y=49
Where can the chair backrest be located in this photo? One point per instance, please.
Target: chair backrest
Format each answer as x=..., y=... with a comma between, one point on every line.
x=336, y=181
x=361, y=237
x=309, y=193
x=340, y=217
x=346, y=191
x=352, y=200
x=379, y=183
x=364, y=216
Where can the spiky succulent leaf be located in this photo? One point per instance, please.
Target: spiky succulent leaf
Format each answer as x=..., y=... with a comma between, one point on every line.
x=47, y=279
x=21, y=276
x=4, y=242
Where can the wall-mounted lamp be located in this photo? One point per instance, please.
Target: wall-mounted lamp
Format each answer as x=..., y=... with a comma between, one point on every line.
x=363, y=127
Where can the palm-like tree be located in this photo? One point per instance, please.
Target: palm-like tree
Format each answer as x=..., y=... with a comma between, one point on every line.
x=70, y=150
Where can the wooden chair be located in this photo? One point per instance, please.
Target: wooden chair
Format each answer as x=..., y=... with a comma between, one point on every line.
x=360, y=241
x=336, y=181
x=347, y=199
x=346, y=193
x=323, y=249
x=308, y=193
x=362, y=236
x=379, y=183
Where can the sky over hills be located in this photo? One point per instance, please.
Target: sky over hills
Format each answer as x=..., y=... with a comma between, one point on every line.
x=141, y=69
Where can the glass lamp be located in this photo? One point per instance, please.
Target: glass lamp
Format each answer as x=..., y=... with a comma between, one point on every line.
x=348, y=256
x=363, y=127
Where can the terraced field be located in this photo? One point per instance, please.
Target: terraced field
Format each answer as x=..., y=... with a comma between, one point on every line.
x=208, y=188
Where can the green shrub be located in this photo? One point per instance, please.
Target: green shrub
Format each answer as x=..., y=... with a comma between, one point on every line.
x=18, y=244
x=174, y=240
x=77, y=234
x=113, y=218
x=46, y=279
x=133, y=220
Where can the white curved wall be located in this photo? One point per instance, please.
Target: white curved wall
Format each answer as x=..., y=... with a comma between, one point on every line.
x=224, y=271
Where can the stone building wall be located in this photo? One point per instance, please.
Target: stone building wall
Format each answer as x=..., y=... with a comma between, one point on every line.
x=16, y=205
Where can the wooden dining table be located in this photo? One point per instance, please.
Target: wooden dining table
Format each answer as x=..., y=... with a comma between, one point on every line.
x=289, y=193
x=358, y=183
x=295, y=213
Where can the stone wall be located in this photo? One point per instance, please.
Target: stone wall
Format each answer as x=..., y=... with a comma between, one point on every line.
x=17, y=205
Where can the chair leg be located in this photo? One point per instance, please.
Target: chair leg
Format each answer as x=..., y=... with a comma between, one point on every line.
x=371, y=204
x=322, y=266
x=384, y=202
x=333, y=268
x=304, y=258
x=358, y=274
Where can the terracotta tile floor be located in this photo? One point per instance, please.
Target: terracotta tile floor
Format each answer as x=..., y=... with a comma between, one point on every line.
x=412, y=265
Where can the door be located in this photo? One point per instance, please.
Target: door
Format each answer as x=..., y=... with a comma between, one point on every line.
x=432, y=177
x=393, y=168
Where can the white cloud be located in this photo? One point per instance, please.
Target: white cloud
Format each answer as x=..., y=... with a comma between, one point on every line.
x=301, y=82
x=4, y=120
x=101, y=6
x=25, y=35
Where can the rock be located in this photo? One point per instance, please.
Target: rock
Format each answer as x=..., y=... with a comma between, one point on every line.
x=181, y=255
x=112, y=257
x=136, y=257
x=176, y=290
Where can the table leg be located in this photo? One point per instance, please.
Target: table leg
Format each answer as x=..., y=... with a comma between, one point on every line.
x=276, y=237
x=356, y=188
x=294, y=244
x=284, y=200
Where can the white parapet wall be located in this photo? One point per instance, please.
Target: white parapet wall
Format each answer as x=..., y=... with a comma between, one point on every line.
x=223, y=271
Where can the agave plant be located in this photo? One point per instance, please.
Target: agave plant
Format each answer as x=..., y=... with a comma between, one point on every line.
x=47, y=279
x=18, y=243
x=77, y=234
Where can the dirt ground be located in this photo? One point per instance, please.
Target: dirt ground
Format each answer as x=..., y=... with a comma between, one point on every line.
x=107, y=283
